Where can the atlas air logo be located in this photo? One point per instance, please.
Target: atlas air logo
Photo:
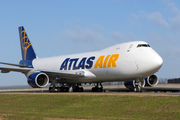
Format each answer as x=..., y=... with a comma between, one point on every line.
x=25, y=43
x=87, y=63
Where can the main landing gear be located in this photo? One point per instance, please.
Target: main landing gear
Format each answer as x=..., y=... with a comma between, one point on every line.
x=57, y=87
x=61, y=87
x=97, y=89
x=77, y=88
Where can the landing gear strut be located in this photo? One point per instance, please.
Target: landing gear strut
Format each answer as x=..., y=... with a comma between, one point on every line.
x=76, y=88
x=97, y=89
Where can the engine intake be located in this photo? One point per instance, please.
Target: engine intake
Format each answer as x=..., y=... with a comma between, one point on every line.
x=151, y=80
x=38, y=80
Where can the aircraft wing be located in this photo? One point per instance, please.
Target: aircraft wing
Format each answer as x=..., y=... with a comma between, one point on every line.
x=64, y=74
x=17, y=65
x=8, y=69
x=55, y=73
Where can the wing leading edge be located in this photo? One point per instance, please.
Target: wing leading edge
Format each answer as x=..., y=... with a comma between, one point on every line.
x=55, y=73
x=17, y=65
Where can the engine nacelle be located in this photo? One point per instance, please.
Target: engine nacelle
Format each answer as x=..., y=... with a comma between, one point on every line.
x=151, y=80
x=38, y=80
x=131, y=84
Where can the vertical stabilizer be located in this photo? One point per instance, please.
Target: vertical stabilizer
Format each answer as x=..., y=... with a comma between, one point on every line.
x=26, y=47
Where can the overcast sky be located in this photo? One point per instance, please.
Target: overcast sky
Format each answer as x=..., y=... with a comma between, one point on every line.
x=59, y=27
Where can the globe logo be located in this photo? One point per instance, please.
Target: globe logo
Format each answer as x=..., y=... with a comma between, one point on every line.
x=25, y=43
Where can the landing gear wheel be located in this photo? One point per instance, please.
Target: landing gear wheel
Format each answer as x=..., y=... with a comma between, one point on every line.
x=58, y=89
x=97, y=89
x=64, y=89
x=78, y=89
x=93, y=89
x=51, y=89
x=81, y=89
x=138, y=87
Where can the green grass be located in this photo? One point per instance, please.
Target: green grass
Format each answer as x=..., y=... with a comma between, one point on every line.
x=82, y=106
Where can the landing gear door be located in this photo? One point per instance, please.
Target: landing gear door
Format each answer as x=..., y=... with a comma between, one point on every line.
x=129, y=48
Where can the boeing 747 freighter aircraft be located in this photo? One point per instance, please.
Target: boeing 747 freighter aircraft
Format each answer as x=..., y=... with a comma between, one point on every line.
x=135, y=63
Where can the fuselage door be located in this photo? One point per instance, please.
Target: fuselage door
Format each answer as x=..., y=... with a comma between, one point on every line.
x=129, y=48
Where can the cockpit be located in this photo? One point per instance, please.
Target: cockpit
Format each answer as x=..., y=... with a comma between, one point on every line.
x=143, y=45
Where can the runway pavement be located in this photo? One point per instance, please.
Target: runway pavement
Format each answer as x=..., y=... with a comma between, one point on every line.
x=167, y=89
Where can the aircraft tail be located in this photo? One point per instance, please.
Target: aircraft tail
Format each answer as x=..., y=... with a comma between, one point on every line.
x=26, y=47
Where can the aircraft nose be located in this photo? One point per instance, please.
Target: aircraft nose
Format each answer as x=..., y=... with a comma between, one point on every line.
x=157, y=61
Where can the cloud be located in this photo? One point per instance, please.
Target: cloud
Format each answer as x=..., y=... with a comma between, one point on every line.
x=154, y=17
x=117, y=35
x=98, y=28
x=135, y=19
x=166, y=45
x=170, y=23
x=90, y=39
x=84, y=39
x=175, y=13
x=157, y=18
x=174, y=9
x=172, y=6
x=175, y=22
x=83, y=35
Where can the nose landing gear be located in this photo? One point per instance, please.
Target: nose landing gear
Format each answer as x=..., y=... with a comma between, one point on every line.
x=138, y=86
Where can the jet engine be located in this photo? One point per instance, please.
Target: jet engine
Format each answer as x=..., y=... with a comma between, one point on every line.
x=38, y=80
x=131, y=85
x=149, y=81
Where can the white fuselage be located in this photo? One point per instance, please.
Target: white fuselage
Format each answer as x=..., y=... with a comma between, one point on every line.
x=121, y=62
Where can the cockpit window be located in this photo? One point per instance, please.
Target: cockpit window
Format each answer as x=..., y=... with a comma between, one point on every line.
x=143, y=45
